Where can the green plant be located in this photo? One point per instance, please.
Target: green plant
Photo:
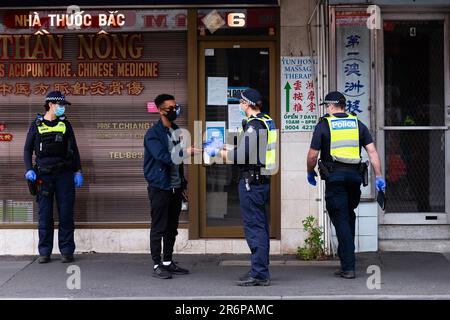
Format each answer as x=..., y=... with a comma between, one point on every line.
x=314, y=244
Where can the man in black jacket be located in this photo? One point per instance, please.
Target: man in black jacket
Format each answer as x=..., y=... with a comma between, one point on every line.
x=166, y=184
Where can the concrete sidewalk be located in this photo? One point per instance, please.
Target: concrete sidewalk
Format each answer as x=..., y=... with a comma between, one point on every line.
x=409, y=275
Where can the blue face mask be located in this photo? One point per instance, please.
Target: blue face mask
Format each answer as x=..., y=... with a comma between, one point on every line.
x=60, y=110
x=242, y=113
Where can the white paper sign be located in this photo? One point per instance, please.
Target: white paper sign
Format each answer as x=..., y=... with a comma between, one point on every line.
x=217, y=91
x=209, y=52
x=234, y=118
x=298, y=97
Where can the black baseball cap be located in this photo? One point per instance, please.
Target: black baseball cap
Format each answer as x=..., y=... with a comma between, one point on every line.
x=334, y=97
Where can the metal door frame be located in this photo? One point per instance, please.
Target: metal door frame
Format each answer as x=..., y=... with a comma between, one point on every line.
x=275, y=195
x=413, y=218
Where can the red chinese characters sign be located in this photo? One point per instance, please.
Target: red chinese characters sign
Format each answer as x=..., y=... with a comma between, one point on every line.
x=6, y=137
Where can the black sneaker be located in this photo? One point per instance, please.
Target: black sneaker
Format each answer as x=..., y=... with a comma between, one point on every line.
x=161, y=272
x=67, y=259
x=44, y=259
x=251, y=282
x=175, y=269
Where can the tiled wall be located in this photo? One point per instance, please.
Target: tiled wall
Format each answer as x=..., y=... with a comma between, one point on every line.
x=366, y=229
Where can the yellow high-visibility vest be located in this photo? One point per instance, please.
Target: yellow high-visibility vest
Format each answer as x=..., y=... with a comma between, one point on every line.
x=59, y=128
x=272, y=138
x=344, y=142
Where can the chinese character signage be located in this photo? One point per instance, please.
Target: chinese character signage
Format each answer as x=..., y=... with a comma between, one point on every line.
x=353, y=68
x=93, y=54
x=353, y=62
x=298, y=97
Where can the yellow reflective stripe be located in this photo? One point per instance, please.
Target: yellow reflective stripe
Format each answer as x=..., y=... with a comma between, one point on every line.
x=344, y=143
x=59, y=128
x=271, y=142
x=344, y=139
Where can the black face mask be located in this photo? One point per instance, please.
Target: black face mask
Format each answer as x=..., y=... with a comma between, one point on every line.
x=171, y=115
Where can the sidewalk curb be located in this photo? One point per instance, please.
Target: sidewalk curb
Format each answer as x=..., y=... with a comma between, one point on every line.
x=294, y=263
x=262, y=298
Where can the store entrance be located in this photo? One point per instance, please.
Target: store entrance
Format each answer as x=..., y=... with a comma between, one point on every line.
x=416, y=120
x=227, y=68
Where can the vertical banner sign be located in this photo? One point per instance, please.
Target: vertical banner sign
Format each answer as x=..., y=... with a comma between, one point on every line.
x=298, y=97
x=353, y=62
x=353, y=68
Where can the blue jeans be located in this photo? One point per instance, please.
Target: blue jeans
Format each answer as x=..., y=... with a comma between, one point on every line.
x=256, y=226
x=342, y=196
x=60, y=185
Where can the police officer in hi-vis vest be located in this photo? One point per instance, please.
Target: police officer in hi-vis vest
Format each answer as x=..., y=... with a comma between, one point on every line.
x=254, y=181
x=339, y=137
x=57, y=171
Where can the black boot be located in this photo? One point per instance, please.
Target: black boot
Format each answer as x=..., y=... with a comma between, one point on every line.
x=44, y=259
x=67, y=259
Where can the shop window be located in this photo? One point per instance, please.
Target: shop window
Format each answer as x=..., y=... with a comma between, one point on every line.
x=111, y=80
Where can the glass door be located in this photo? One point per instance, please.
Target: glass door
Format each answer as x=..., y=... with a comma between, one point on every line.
x=227, y=68
x=415, y=119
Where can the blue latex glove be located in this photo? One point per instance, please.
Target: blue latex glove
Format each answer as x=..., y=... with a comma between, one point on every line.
x=380, y=183
x=212, y=147
x=78, y=179
x=312, y=178
x=30, y=175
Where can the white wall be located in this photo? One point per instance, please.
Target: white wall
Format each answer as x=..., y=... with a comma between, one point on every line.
x=297, y=196
x=25, y=242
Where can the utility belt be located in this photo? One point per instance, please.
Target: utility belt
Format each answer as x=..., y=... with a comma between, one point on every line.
x=39, y=187
x=254, y=177
x=326, y=168
x=54, y=168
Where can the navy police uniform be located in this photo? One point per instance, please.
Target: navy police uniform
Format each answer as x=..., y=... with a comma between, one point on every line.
x=254, y=192
x=343, y=192
x=57, y=159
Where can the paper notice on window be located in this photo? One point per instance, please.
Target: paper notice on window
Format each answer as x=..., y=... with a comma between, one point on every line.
x=214, y=130
x=217, y=91
x=234, y=118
